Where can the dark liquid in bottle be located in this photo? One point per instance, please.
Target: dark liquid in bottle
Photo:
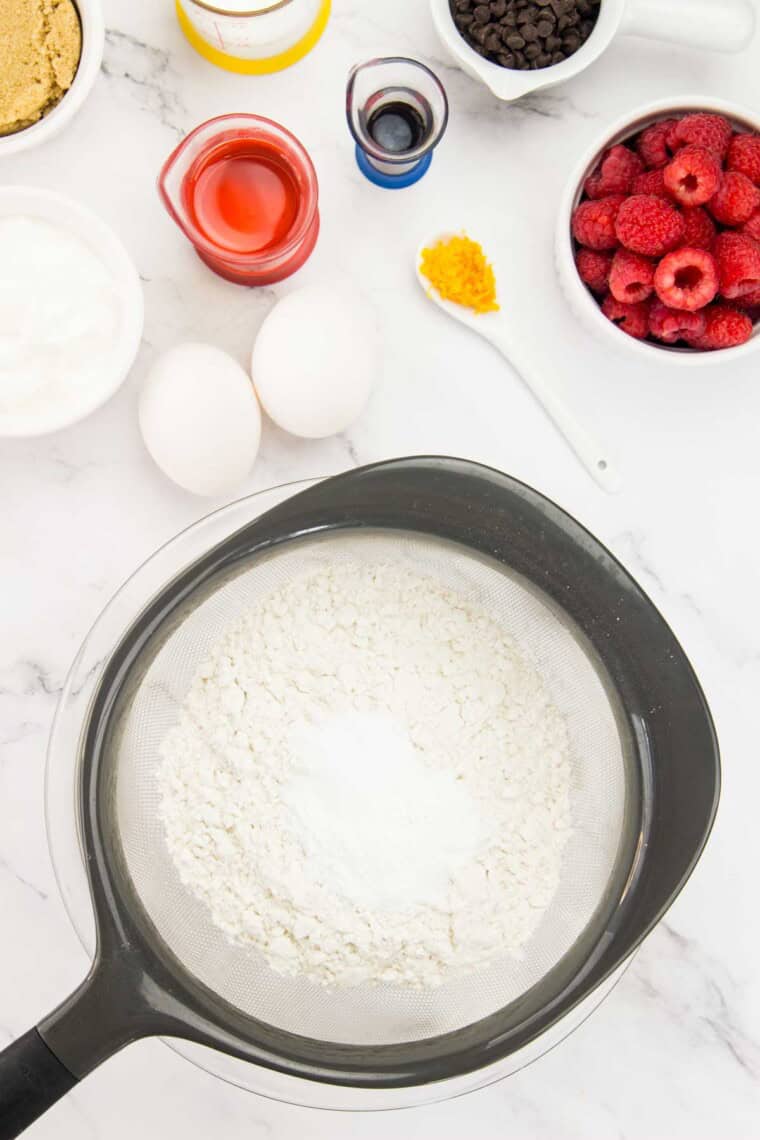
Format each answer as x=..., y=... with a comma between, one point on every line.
x=397, y=128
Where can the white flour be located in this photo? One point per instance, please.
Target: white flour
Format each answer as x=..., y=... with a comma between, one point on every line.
x=367, y=783
x=403, y=828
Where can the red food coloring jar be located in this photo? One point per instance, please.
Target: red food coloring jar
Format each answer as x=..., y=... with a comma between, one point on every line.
x=244, y=191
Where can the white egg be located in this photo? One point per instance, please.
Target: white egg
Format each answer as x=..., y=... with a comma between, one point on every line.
x=200, y=418
x=314, y=361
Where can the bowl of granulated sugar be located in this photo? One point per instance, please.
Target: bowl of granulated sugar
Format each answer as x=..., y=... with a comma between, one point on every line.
x=71, y=311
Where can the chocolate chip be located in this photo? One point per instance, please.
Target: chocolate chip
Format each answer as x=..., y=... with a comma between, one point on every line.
x=525, y=34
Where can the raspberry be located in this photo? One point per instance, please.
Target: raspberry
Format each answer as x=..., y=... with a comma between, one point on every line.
x=651, y=182
x=632, y=319
x=724, y=328
x=615, y=173
x=736, y=201
x=648, y=225
x=738, y=260
x=749, y=300
x=752, y=226
x=744, y=156
x=631, y=277
x=652, y=143
x=593, y=269
x=594, y=222
x=700, y=228
x=686, y=279
x=710, y=131
x=693, y=176
x=671, y=325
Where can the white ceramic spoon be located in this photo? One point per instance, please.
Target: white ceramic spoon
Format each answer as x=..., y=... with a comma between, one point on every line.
x=495, y=327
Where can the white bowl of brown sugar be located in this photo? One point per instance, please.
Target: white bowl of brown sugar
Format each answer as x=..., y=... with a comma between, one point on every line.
x=50, y=54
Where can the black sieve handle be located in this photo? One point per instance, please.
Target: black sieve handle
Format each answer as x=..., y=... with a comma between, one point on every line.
x=48, y=1061
x=31, y=1080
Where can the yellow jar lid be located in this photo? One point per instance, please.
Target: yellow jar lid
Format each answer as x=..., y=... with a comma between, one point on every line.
x=255, y=66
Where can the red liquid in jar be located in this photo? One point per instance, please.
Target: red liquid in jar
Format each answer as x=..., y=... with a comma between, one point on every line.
x=242, y=195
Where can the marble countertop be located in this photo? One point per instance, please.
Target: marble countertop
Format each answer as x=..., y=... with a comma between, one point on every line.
x=675, y=1051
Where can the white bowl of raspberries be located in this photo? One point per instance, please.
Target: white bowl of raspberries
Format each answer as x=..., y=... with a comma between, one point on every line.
x=658, y=243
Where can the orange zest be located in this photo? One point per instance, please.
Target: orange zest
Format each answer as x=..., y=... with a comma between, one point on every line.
x=458, y=269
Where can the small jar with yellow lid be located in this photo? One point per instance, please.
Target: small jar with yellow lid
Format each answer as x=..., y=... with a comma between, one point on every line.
x=254, y=37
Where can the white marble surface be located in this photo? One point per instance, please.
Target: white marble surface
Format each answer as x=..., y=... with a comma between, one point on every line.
x=675, y=1051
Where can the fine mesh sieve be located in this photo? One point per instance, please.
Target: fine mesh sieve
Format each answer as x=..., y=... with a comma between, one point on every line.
x=368, y=1015
x=645, y=776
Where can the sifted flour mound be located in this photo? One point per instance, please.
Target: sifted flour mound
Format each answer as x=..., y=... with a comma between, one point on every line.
x=367, y=783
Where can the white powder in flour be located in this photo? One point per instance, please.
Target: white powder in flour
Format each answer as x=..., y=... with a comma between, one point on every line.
x=367, y=782
x=402, y=829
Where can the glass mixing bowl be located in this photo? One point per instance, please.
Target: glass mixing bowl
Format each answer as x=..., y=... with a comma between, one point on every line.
x=65, y=849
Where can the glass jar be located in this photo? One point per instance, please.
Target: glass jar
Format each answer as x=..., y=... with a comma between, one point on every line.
x=397, y=112
x=244, y=191
x=254, y=37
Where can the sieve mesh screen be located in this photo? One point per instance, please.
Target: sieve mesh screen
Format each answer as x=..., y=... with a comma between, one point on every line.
x=376, y=1015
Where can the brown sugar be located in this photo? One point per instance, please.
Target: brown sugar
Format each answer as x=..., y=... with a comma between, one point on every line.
x=40, y=46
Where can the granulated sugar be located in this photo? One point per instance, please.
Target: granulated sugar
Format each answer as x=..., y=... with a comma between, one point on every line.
x=367, y=783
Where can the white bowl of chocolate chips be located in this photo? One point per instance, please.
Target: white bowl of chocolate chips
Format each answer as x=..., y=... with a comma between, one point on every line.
x=519, y=46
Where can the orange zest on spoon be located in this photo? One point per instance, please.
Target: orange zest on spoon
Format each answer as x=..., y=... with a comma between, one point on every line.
x=459, y=270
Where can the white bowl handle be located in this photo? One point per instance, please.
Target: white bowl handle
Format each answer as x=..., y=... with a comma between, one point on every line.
x=722, y=25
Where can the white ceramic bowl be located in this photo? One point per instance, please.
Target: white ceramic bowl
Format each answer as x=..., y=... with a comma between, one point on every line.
x=582, y=301
x=715, y=25
x=93, y=39
x=29, y=201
